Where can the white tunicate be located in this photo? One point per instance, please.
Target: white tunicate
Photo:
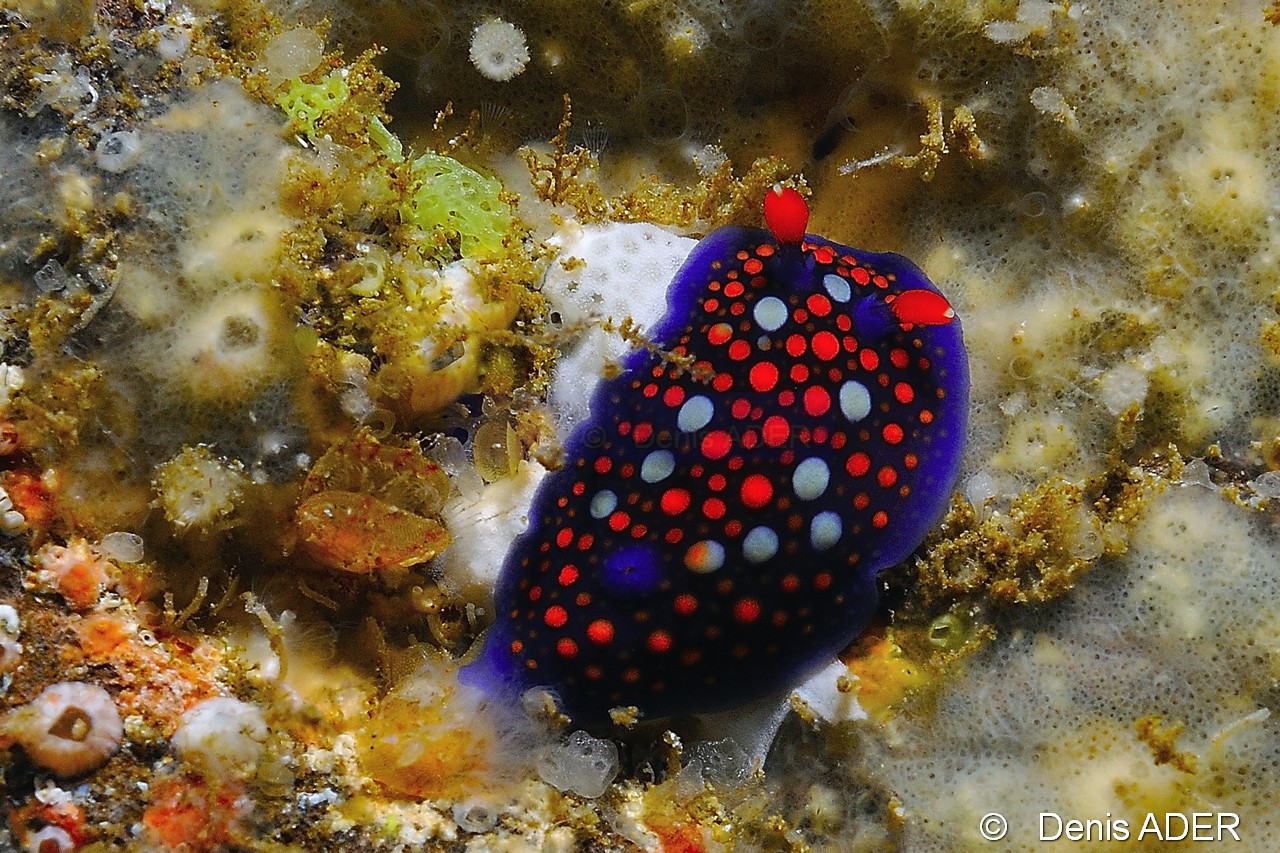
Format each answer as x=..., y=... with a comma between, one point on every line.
x=451, y=455
x=1087, y=542
x=475, y=817
x=122, y=547
x=1267, y=484
x=51, y=277
x=723, y=762
x=1121, y=387
x=1050, y=101
x=657, y=466
x=499, y=50
x=582, y=764
x=116, y=152
x=69, y=729
x=619, y=271
x=980, y=488
x=695, y=414
x=292, y=53
x=770, y=313
x=1198, y=473
x=173, y=42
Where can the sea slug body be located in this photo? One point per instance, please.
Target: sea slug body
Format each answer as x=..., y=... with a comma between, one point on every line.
x=716, y=531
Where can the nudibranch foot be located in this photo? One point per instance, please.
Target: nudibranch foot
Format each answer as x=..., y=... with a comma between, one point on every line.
x=716, y=531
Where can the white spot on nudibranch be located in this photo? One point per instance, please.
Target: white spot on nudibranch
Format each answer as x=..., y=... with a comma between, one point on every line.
x=810, y=479
x=603, y=503
x=704, y=557
x=657, y=466
x=837, y=287
x=695, y=413
x=855, y=400
x=760, y=544
x=770, y=313
x=825, y=530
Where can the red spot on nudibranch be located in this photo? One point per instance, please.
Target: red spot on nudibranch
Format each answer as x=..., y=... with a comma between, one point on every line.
x=816, y=400
x=600, y=632
x=716, y=444
x=746, y=611
x=819, y=305
x=763, y=376
x=675, y=501
x=859, y=464
x=757, y=491
x=922, y=307
x=786, y=214
x=659, y=642
x=825, y=345
x=556, y=616
x=685, y=604
x=776, y=430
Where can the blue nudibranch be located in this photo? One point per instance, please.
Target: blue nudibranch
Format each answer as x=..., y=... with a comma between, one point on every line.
x=717, y=529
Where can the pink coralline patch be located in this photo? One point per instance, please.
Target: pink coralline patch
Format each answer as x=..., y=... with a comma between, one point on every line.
x=157, y=680
x=679, y=838
x=74, y=571
x=194, y=816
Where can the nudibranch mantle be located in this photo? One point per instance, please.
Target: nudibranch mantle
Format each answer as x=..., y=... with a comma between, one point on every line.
x=716, y=531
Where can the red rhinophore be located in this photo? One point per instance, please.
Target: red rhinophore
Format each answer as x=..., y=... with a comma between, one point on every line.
x=786, y=214
x=922, y=308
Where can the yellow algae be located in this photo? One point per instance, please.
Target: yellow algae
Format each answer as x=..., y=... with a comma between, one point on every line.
x=1163, y=743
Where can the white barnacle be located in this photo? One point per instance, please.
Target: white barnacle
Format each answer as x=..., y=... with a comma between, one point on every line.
x=11, y=381
x=11, y=521
x=69, y=729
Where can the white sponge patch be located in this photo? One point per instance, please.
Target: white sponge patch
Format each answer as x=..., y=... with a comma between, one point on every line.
x=605, y=273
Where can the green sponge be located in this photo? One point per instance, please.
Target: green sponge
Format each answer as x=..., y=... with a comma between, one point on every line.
x=448, y=194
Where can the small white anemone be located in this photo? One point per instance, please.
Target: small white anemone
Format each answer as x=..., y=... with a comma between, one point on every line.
x=70, y=728
x=499, y=50
x=222, y=736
